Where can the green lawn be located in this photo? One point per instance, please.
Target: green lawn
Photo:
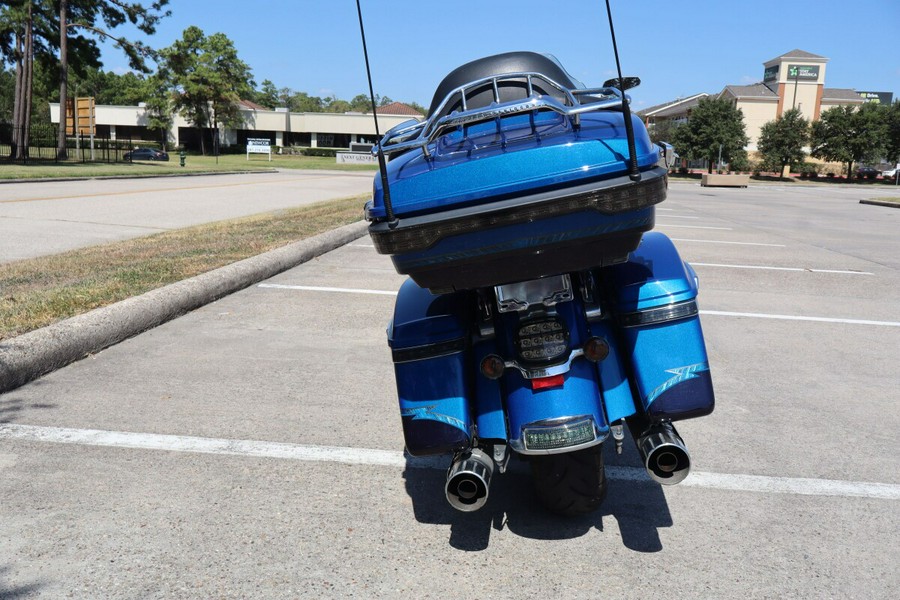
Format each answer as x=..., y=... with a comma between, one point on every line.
x=40, y=291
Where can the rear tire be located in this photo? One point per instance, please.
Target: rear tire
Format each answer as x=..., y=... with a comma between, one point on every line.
x=570, y=484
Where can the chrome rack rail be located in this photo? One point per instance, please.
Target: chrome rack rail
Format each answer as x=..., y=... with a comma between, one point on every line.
x=410, y=135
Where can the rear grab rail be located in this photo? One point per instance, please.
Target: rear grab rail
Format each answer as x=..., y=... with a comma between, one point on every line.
x=410, y=135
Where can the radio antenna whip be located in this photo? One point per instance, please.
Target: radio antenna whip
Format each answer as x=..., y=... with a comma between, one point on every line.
x=388, y=209
x=633, y=171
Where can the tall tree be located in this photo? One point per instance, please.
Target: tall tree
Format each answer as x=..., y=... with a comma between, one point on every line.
x=97, y=19
x=715, y=126
x=209, y=79
x=781, y=141
x=850, y=135
x=892, y=145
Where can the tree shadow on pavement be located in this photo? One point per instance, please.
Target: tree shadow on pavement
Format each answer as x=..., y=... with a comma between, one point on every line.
x=14, y=592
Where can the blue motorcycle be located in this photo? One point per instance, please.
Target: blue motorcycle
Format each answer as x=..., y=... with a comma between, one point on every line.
x=541, y=316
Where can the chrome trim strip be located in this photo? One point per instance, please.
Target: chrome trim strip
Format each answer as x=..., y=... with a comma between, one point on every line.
x=551, y=371
x=670, y=312
x=437, y=350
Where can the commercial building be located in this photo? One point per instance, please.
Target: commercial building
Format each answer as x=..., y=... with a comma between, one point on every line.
x=793, y=80
x=281, y=127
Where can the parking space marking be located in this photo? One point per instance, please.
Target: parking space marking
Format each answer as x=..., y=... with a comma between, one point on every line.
x=361, y=245
x=313, y=288
x=719, y=313
x=388, y=458
x=765, y=268
x=722, y=313
x=694, y=226
x=725, y=242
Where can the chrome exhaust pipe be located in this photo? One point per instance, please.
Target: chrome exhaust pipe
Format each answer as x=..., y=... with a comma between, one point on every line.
x=469, y=480
x=664, y=454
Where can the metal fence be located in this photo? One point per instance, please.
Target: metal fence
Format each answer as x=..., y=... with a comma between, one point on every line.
x=42, y=145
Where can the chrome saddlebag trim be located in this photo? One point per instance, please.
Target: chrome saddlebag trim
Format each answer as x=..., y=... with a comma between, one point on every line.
x=663, y=314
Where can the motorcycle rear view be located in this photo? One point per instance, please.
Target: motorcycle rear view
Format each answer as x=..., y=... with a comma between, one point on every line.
x=541, y=315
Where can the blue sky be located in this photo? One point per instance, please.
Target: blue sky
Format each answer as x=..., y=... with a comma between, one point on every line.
x=676, y=48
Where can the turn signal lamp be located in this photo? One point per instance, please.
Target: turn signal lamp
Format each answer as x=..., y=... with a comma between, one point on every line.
x=596, y=349
x=492, y=366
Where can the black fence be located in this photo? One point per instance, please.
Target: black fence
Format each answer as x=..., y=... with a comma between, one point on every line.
x=42, y=143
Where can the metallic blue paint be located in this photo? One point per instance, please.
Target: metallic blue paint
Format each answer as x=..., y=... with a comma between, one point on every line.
x=486, y=164
x=654, y=276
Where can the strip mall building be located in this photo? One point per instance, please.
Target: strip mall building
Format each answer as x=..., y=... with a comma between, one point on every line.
x=281, y=127
x=792, y=80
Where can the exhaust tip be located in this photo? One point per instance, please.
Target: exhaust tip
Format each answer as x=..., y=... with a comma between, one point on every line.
x=469, y=481
x=665, y=456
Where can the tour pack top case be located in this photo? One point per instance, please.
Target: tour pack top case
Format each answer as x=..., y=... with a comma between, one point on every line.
x=518, y=172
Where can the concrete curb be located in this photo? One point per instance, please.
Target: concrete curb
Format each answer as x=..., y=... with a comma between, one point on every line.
x=26, y=357
x=881, y=203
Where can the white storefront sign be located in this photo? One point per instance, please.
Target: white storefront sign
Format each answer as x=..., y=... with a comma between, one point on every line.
x=259, y=146
x=356, y=158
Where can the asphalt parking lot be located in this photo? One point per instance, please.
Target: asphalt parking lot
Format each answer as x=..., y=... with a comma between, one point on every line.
x=252, y=448
x=46, y=217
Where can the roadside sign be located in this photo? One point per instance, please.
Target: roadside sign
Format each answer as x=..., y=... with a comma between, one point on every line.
x=81, y=116
x=259, y=146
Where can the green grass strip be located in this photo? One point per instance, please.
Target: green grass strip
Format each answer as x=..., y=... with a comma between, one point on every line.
x=38, y=292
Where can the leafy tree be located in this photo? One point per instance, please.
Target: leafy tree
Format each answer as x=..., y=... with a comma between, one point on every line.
x=267, y=95
x=159, y=104
x=209, y=79
x=662, y=131
x=418, y=107
x=715, y=123
x=334, y=105
x=850, y=135
x=781, y=141
x=892, y=143
x=106, y=87
x=361, y=103
x=97, y=19
x=303, y=102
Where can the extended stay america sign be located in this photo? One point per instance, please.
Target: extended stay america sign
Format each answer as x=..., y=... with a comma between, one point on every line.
x=803, y=72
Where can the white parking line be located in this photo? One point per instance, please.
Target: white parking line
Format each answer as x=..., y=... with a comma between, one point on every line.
x=694, y=226
x=387, y=458
x=724, y=242
x=722, y=313
x=765, y=268
x=311, y=288
x=361, y=245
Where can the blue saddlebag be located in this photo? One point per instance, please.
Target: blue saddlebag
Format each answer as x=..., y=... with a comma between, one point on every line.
x=430, y=346
x=655, y=301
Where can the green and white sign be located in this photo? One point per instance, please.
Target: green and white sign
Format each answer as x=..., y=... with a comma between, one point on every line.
x=877, y=97
x=771, y=73
x=803, y=72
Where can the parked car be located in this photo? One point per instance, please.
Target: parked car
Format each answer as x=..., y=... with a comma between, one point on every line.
x=146, y=154
x=890, y=173
x=867, y=172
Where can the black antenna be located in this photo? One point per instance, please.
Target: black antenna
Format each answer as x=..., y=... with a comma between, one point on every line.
x=633, y=171
x=388, y=209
